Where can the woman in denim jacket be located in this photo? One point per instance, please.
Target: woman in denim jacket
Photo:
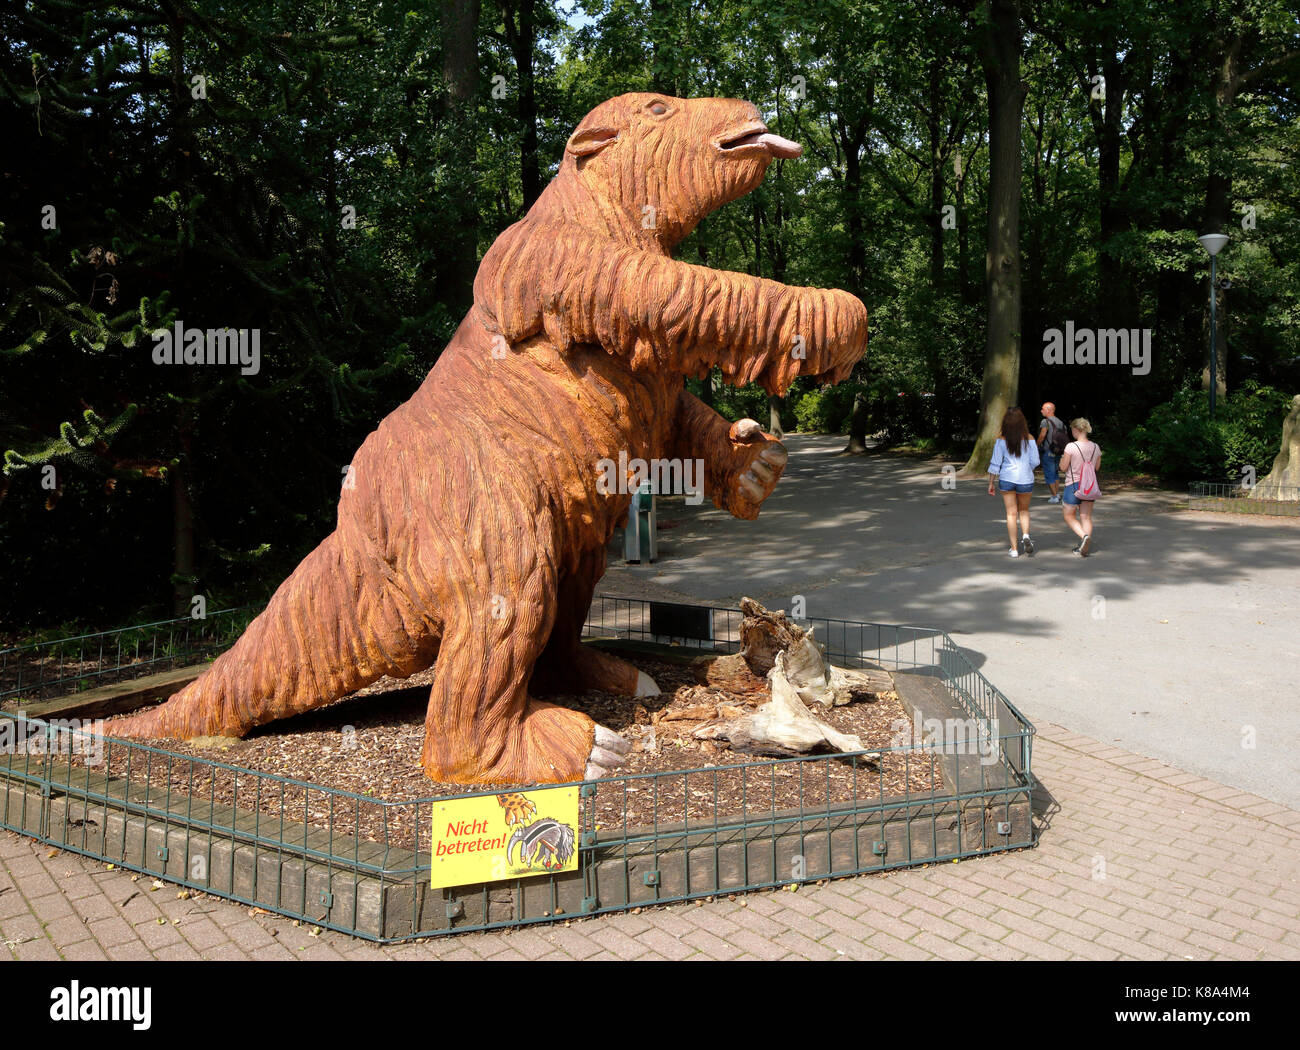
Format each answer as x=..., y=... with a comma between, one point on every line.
x=1015, y=456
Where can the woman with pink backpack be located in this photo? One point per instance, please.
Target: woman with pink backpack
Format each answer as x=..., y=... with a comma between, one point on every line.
x=1078, y=468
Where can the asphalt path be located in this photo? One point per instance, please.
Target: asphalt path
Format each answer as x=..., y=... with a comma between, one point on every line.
x=1178, y=637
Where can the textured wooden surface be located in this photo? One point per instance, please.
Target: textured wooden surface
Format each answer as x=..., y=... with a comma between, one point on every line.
x=118, y=697
x=474, y=527
x=1283, y=481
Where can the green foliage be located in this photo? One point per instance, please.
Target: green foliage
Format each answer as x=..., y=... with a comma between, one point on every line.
x=898, y=413
x=226, y=210
x=1179, y=442
x=746, y=402
x=826, y=410
x=69, y=446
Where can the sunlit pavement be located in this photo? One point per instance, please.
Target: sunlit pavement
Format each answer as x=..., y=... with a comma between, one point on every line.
x=1177, y=638
x=1145, y=667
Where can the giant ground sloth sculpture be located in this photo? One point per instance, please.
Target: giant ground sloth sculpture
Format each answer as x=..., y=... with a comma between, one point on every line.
x=475, y=530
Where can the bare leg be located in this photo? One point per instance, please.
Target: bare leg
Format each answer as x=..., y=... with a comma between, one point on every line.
x=1072, y=519
x=1022, y=504
x=1009, y=502
x=1085, y=517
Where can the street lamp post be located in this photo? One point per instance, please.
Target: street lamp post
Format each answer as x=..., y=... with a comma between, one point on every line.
x=1213, y=243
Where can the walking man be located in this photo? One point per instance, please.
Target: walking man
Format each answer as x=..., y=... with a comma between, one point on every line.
x=1052, y=439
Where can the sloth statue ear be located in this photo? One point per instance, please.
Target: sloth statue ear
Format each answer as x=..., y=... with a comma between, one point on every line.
x=586, y=142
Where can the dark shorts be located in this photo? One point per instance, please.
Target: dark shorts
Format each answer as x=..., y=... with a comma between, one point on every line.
x=1009, y=486
x=1050, y=473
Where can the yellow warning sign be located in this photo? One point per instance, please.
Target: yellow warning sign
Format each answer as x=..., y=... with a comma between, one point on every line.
x=505, y=836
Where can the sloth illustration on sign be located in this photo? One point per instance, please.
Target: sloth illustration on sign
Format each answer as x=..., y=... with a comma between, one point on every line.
x=473, y=531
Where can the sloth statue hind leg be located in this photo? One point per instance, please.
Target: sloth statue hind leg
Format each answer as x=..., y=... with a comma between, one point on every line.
x=566, y=665
x=482, y=727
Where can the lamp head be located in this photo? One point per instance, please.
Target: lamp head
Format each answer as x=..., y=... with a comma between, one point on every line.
x=1213, y=242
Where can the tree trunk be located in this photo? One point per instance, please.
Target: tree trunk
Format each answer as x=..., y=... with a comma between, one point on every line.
x=1035, y=260
x=458, y=254
x=1117, y=303
x=852, y=138
x=857, y=426
x=1174, y=306
x=706, y=395
x=459, y=20
x=966, y=286
x=774, y=407
x=182, y=539
x=938, y=190
x=853, y=221
x=520, y=34
x=938, y=184
x=999, y=46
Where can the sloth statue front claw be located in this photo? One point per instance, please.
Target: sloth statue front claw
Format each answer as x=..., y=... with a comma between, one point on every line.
x=761, y=459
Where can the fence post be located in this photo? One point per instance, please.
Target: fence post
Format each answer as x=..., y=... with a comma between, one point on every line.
x=47, y=791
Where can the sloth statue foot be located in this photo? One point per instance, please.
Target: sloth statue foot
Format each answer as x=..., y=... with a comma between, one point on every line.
x=609, y=752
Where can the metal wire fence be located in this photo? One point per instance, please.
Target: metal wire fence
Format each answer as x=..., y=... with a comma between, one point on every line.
x=46, y=669
x=362, y=865
x=1233, y=498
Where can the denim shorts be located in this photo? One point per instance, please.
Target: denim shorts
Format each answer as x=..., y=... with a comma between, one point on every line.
x=1068, y=495
x=1050, y=473
x=1011, y=486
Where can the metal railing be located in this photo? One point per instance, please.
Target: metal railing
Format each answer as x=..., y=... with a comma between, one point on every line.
x=848, y=643
x=41, y=670
x=1234, y=498
x=361, y=865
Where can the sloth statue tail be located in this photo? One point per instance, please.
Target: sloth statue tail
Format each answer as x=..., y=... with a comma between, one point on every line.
x=307, y=648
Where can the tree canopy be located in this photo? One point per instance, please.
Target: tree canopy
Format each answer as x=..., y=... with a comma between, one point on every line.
x=327, y=176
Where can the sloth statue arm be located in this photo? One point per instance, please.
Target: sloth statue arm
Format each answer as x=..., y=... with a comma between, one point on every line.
x=659, y=313
x=742, y=464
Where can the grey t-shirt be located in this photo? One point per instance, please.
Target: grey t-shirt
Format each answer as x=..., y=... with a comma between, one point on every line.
x=1051, y=424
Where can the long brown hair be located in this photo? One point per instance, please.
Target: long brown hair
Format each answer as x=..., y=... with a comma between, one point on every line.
x=1015, y=431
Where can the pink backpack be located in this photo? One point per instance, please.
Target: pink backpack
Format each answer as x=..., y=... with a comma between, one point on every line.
x=1088, y=488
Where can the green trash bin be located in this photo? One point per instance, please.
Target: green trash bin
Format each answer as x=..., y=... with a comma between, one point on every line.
x=639, y=542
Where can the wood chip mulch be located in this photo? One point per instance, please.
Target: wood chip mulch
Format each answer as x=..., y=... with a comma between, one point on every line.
x=369, y=744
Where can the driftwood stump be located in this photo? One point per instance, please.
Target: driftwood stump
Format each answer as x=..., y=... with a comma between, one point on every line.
x=1283, y=481
x=783, y=660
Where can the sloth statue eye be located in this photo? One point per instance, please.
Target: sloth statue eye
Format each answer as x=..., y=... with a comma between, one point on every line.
x=658, y=109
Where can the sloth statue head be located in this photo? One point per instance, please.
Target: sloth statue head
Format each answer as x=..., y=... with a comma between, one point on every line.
x=591, y=261
x=665, y=163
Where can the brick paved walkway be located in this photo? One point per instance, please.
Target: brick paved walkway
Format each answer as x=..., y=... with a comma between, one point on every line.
x=1137, y=860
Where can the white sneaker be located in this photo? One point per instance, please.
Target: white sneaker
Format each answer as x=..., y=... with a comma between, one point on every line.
x=1055, y=499
x=1013, y=552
